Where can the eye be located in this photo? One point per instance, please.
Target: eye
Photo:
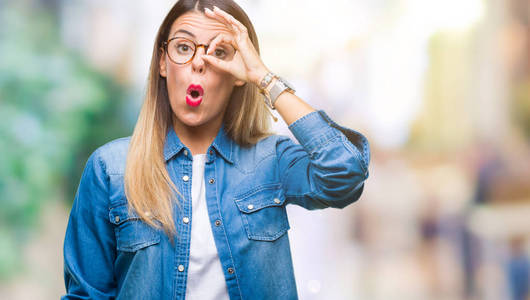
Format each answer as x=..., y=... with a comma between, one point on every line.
x=220, y=53
x=183, y=48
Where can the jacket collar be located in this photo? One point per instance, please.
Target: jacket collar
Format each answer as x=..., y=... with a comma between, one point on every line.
x=222, y=144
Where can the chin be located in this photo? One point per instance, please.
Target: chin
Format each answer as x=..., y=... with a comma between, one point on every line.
x=191, y=120
x=195, y=117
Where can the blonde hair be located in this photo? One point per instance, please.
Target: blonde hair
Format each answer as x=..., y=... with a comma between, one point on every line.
x=148, y=186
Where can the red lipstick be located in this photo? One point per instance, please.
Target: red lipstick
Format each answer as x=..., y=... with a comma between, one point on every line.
x=194, y=95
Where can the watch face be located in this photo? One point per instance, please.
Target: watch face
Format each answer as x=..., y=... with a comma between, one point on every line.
x=265, y=82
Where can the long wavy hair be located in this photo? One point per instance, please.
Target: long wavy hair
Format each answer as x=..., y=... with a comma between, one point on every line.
x=148, y=187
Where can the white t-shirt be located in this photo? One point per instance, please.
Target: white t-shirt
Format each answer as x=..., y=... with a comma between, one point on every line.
x=205, y=274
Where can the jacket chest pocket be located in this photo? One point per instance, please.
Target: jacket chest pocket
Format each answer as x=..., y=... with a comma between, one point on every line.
x=263, y=212
x=132, y=234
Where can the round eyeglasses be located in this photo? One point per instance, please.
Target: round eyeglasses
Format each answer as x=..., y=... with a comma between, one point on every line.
x=182, y=51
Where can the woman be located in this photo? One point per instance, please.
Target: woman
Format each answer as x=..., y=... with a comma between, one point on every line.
x=193, y=204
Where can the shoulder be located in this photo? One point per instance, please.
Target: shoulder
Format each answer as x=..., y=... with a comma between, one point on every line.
x=112, y=155
x=265, y=149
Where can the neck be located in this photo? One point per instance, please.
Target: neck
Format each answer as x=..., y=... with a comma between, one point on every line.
x=197, y=138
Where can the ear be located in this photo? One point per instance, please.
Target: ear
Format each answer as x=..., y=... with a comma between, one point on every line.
x=239, y=83
x=162, y=63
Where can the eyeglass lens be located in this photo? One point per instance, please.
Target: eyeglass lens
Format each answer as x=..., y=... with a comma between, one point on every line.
x=181, y=50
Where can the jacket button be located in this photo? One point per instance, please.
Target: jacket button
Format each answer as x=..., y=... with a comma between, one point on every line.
x=250, y=206
x=211, y=152
x=277, y=201
x=117, y=219
x=185, y=152
x=186, y=220
x=230, y=271
x=185, y=178
x=211, y=181
x=181, y=268
x=217, y=223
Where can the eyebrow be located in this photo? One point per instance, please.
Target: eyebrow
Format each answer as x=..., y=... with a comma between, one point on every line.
x=191, y=34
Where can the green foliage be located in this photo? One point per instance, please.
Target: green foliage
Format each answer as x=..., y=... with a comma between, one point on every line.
x=54, y=110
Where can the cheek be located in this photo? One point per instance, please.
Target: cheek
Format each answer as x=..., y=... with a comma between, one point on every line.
x=224, y=83
x=174, y=81
x=173, y=74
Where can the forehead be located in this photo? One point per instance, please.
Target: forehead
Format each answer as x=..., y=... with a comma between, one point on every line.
x=200, y=25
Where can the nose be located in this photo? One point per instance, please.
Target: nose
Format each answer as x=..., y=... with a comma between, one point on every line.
x=197, y=64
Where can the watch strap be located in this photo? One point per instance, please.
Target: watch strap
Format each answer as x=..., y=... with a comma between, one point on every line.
x=278, y=87
x=271, y=92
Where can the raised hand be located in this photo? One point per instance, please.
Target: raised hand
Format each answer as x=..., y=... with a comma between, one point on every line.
x=246, y=64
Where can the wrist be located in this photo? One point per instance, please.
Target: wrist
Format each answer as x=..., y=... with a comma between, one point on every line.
x=260, y=76
x=271, y=86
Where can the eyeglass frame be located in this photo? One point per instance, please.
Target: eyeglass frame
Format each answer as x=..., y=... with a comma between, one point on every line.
x=197, y=46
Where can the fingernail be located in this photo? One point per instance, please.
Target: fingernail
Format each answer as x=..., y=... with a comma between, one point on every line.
x=215, y=7
x=206, y=9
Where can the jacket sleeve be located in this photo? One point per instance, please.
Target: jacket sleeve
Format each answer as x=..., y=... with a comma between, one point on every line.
x=329, y=166
x=90, y=246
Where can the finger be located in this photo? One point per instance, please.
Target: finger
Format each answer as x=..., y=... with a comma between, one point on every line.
x=230, y=26
x=220, y=18
x=221, y=39
x=239, y=29
x=209, y=13
x=229, y=18
x=232, y=23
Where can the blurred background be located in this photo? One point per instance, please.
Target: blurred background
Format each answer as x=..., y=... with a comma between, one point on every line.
x=440, y=88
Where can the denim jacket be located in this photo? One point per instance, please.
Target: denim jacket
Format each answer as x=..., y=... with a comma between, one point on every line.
x=110, y=253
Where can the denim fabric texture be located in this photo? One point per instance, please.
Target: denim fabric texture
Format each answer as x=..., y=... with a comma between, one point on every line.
x=109, y=253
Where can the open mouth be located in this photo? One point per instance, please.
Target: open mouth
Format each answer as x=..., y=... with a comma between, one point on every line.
x=194, y=95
